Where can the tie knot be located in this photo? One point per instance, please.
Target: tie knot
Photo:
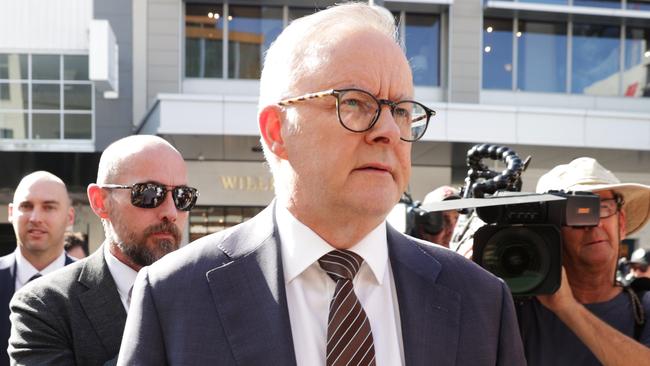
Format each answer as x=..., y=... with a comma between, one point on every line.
x=341, y=264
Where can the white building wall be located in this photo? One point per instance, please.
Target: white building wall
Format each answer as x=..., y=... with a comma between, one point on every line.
x=44, y=25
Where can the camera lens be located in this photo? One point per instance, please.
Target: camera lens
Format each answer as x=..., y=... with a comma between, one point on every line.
x=515, y=259
x=519, y=256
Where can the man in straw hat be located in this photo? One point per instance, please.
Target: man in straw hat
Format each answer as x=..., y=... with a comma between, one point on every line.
x=591, y=320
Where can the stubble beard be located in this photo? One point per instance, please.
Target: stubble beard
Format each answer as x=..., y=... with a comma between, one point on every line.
x=137, y=247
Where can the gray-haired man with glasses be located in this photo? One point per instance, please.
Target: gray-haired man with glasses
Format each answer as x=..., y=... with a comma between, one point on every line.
x=319, y=277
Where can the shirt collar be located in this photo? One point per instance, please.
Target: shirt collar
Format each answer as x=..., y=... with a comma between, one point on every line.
x=301, y=246
x=123, y=275
x=25, y=270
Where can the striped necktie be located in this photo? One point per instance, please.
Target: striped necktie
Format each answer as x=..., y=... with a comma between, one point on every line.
x=349, y=337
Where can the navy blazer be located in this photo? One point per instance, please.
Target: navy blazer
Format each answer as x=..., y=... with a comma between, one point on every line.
x=7, y=289
x=221, y=301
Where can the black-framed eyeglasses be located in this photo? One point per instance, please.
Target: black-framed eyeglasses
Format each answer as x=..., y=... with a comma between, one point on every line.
x=152, y=195
x=610, y=206
x=358, y=111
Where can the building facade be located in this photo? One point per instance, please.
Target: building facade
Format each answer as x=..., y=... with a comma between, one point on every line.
x=553, y=79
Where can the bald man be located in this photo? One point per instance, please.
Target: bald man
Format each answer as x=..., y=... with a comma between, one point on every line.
x=77, y=317
x=40, y=213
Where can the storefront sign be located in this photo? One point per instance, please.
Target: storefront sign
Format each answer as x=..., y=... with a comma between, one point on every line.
x=246, y=183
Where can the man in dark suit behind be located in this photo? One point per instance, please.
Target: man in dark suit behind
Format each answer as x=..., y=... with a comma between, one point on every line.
x=319, y=278
x=40, y=213
x=77, y=317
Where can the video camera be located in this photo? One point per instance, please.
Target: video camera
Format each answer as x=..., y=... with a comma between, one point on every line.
x=522, y=243
x=516, y=236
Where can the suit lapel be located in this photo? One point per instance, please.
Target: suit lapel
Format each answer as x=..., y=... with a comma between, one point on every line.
x=429, y=313
x=250, y=297
x=101, y=302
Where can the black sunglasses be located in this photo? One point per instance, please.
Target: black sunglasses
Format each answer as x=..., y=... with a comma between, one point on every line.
x=152, y=195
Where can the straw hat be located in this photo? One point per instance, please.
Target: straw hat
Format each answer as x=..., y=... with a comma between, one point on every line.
x=586, y=174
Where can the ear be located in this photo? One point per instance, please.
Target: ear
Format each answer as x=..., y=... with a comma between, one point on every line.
x=622, y=224
x=10, y=212
x=97, y=198
x=71, y=216
x=270, y=120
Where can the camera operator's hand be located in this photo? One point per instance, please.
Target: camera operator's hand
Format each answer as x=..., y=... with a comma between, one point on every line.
x=611, y=347
x=562, y=300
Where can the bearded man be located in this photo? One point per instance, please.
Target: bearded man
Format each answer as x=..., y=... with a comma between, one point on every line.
x=78, y=316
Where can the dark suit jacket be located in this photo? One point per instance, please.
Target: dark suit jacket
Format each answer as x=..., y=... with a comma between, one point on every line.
x=7, y=289
x=221, y=301
x=75, y=317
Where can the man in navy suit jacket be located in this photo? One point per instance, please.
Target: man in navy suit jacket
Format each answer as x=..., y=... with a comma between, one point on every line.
x=337, y=119
x=40, y=213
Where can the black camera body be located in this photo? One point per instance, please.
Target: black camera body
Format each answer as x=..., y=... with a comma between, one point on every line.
x=522, y=243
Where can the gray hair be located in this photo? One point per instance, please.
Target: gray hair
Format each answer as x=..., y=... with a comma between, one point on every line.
x=299, y=49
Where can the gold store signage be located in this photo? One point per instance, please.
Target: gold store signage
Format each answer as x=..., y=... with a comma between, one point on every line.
x=246, y=183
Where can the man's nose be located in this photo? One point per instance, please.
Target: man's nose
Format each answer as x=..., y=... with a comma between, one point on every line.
x=167, y=210
x=36, y=215
x=386, y=128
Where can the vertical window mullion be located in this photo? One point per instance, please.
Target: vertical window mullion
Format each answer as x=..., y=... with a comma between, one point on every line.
x=621, y=59
x=29, y=96
x=61, y=100
x=569, y=57
x=285, y=16
x=515, y=51
x=224, y=56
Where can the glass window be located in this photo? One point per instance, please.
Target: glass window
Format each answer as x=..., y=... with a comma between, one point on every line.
x=13, y=66
x=32, y=103
x=13, y=125
x=643, y=5
x=596, y=50
x=46, y=126
x=46, y=67
x=422, y=41
x=541, y=59
x=75, y=67
x=77, y=96
x=614, y=4
x=13, y=95
x=204, y=40
x=77, y=126
x=251, y=30
x=636, y=77
x=46, y=96
x=497, y=54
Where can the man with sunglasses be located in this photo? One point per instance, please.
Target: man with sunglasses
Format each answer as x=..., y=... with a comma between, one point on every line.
x=78, y=316
x=591, y=320
x=319, y=278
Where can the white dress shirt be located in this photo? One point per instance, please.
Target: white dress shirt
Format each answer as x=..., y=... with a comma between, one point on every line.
x=310, y=290
x=123, y=275
x=25, y=270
